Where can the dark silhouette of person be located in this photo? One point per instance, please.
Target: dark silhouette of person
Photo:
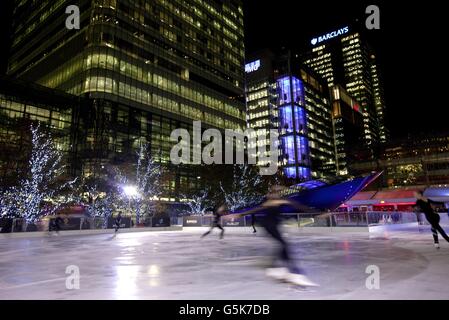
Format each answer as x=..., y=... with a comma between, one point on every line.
x=271, y=209
x=117, y=223
x=218, y=212
x=253, y=222
x=55, y=224
x=425, y=206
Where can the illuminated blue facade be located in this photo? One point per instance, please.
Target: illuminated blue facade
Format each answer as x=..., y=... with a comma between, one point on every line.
x=295, y=155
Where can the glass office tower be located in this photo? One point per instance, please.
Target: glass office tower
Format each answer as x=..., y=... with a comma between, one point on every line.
x=149, y=67
x=21, y=105
x=319, y=125
x=348, y=60
x=263, y=109
x=379, y=101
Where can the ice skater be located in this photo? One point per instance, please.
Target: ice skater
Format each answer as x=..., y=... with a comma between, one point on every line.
x=118, y=221
x=55, y=225
x=253, y=221
x=216, y=222
x=425, y=206
x=283, y=266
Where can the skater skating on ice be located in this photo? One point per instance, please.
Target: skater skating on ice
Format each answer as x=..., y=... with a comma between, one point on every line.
x=283, y=267
x=218, y=212
x=117, y=223
x=253, y=221
x=424, y=205
x=55, y=225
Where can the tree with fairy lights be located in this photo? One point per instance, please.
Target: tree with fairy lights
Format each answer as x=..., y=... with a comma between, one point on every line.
x=40, y=191
x=148, y=175
x=138, y=190
x=99, y=204
x=197, y=203
x=245, y=188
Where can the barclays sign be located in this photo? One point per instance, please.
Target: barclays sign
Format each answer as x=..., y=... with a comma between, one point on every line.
x=252, y=66
x=330, y=35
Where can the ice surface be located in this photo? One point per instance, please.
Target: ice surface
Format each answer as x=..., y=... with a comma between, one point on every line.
x=180, y=265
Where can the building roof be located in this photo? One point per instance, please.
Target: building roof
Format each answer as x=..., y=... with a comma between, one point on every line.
x=364, y=195
x=437, y=193
x=396, y=196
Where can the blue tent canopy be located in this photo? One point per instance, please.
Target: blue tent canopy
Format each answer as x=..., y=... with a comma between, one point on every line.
x=320, y=196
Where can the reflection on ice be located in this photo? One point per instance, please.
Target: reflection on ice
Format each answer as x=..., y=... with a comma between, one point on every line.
x=126, y=283
x=153, y=270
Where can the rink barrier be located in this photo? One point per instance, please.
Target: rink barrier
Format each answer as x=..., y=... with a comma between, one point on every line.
x=333, y=221
x=87, y=232
x=328, y=222
x=206, y=221
x=10, y=225
x=330, y=219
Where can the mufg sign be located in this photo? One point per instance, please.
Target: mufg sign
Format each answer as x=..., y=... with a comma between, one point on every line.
x=252, y=66
x=330, y=35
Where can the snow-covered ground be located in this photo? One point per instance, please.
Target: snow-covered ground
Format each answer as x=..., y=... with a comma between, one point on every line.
x=180, y=265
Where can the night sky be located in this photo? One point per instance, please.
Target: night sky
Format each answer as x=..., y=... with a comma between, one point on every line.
x=410, y=47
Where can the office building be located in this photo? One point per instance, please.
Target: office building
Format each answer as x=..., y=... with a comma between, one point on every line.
x=23, y=104
x=412, y=161
x=149, y=67
x=344, y=57
x=269, y=77
x=347, y=123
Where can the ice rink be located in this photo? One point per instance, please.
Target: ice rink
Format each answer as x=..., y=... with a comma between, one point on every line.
x=180, y=265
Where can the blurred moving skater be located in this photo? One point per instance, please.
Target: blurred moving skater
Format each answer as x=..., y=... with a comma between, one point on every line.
x=270, y=221
x=117, y=223
x=216, y=222
x=55, y=224
x=425, y=206
x=253, y=220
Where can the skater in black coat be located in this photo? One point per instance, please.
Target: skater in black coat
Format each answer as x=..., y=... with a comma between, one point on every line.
x=118, y=221
x=55, y=224
x=253, y=222
x=270, y=220
x=425, y=205
x=218, y=212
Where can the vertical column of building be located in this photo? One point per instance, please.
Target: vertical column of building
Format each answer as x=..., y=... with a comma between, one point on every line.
x=293, y=128
x=347, y=121
x=319, y=126
x=379, y=101
x=259, y=115
x=358, y=82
